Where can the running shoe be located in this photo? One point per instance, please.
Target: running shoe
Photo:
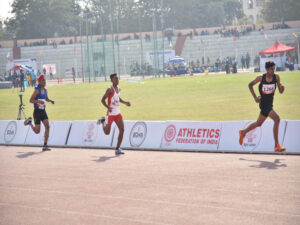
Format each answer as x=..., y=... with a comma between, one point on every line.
x=279, y=148
x=46, y=148
x=119, y=151
x=28, y=121
x=241, y=137
x=101, y=121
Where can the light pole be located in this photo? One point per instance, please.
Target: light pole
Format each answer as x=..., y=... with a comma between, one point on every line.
x=155, y=58
x=163, y=36
x=87, y=46
x=103, y=49
x=112, y=36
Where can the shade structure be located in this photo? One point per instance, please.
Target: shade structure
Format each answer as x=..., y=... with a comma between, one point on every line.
x=277, y=48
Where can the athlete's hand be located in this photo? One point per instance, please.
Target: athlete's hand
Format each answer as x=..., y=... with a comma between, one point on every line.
x=282, y=89
x=127, y=103
x=52, y=102
x=110, y=109
x=257, y=99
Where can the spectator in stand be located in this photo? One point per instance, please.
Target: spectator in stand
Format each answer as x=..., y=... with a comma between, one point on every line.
x=44, y=71
x=234, y=65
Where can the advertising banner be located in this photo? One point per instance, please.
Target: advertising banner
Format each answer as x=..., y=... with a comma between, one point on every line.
x=57, y=136
x=292, y=136
x=89, y=134
x=13, y=132
x=141, y=134
x=191, y=135
x=259, y=139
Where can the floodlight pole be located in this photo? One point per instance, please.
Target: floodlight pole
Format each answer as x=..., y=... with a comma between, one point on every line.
x=112, y=36
x=163, y=36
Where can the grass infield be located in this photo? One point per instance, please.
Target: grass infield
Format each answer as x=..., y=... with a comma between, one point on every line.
x=200, y=98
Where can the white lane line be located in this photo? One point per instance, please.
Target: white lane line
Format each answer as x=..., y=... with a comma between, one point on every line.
x=152, y=201
x=80, y=213
x=159, y=185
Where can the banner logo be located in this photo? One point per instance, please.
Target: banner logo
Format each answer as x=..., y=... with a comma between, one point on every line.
x=170, y=133
x=90, y=133
x=252, y=138
x=138, y=134
x=10, y=131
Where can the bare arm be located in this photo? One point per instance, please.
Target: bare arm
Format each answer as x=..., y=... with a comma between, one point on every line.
x=105, y=96
x=49, y=100
x=251, y=84
x=125, y=102
x=33, y=96
x=280, y=86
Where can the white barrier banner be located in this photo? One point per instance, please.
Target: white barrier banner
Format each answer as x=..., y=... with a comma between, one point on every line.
x=13, y=132
x=191, y=135
x=89, y=133
x=259, y=139
x=141, y=134
x=292, y=136
x=58, y=134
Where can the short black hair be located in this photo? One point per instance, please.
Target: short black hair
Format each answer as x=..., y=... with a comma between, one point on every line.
x=112, y=76
x=269, y=64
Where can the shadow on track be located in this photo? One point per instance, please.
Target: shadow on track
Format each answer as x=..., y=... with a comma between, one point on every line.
x=104, y=158
x=266, y=165
x=28, y=154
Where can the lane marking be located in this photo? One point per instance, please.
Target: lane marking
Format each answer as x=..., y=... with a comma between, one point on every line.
x=153, y=201
x=157, y=185
x=80, y=213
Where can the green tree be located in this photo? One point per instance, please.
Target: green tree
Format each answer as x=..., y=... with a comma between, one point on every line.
x=277, y=10
x=43, y=18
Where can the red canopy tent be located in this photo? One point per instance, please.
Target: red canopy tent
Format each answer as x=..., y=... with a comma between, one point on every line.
x=277, y=48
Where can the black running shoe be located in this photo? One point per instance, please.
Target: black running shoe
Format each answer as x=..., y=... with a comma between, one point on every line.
x=46, y=148
x=28, y=121
x=101, y=121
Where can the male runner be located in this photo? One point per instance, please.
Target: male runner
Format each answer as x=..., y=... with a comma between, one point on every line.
x=38, y=98
x=267, y=89
x=113, y=111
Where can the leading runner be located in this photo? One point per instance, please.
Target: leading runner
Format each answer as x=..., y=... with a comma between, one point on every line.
x=38, y=98
x=267, y=87
x=113, y=110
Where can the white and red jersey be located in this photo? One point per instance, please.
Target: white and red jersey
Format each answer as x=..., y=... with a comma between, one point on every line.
x=114, y=102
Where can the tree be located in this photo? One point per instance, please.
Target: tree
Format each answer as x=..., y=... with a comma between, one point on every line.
x=277, y=10
x=43, y=18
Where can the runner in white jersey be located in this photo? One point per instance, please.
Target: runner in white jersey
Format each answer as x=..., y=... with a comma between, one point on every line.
x=113, y=111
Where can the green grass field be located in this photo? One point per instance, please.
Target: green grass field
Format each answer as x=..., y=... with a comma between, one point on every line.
x=201, y=98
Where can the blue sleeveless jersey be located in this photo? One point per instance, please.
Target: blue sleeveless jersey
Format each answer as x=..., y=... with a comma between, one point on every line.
x=41, y=97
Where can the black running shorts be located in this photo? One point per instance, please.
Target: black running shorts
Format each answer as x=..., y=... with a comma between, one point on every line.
x=265, y=110
x=39, y=115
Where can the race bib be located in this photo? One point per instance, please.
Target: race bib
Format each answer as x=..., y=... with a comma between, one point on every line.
x=42, y=106
x=268, y=88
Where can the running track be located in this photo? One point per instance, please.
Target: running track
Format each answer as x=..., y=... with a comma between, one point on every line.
x=80, y=186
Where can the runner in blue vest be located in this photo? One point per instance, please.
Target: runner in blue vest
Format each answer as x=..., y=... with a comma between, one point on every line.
x=38, y=98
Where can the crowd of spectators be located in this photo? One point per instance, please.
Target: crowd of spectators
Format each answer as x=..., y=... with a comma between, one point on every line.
x=137, y=70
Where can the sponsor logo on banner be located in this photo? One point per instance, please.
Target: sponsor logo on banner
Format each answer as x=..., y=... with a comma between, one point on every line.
x=10, y=131
x=170, y=133
x=90, y=133
x=191, y=136
x=138, y=134
x=252, y=138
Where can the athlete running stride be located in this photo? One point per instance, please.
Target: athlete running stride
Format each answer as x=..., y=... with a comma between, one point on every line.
x=113, y=111
x=267, y=89
x=38, y=98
